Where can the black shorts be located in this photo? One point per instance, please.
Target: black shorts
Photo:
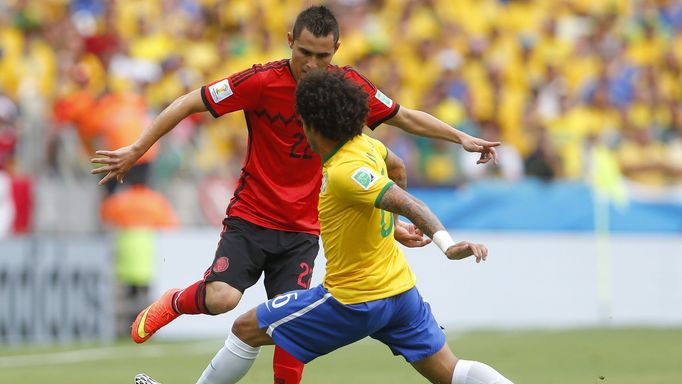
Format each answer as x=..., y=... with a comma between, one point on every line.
x=246, y=250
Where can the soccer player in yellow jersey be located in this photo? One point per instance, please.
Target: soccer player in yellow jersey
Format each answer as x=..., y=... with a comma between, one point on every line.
x=368, y=288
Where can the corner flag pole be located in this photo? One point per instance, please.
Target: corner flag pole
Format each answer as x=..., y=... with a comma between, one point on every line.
x=603, y=259
x=607, y=187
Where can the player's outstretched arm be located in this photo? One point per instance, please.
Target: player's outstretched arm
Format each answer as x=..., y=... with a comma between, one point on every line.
x=400, y=202
x=118, y=162
x=423, y=124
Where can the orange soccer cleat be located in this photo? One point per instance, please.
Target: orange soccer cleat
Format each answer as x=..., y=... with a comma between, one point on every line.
x=155, y=316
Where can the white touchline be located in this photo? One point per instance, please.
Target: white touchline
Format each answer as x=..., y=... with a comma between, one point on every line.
x=104, y=353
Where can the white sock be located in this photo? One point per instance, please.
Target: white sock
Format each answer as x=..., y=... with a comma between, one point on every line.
x=474, y=372
x=230, y=363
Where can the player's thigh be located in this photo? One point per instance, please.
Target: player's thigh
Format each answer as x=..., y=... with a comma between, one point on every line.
x=311, y=323
x=412, y=331
x=291, y=268
x=240, y=257
x=439, y=367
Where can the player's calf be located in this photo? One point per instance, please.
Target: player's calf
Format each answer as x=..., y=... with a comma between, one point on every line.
x=231, y=362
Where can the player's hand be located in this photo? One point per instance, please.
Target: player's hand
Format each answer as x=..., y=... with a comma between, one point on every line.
x=465, y=249
x=409, y=235
x=116, y=163
x=486, y=148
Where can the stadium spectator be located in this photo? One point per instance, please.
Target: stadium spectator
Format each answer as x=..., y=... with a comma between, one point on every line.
x=70, y=109
x=116, y=120
x=8, y=131
x=272, y=219
x=40, y=42
x=543, y=162
x=439, y=164
x=8, y=138
x=7, y=211
x=133, y=214
x=493, y=55
x=643, y=158
x=509, y=166
x=674, y=147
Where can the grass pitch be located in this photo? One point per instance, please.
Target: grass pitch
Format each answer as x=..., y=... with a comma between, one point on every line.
x=623, y=356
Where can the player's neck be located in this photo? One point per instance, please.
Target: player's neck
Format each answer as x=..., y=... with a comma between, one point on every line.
x=323, y=146
x=328, y=148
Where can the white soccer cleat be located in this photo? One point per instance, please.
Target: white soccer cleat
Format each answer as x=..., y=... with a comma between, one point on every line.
x=141, y=378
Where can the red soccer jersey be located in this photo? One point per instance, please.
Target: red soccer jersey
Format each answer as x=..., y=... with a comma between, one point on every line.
x=280, y=180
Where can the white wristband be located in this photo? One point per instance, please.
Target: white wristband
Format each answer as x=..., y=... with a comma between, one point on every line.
x=443, y=240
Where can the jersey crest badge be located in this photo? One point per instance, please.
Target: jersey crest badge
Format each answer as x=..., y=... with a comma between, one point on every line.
x=220, y=91
x=221, y=264
x=384, y=99
x=364, y=177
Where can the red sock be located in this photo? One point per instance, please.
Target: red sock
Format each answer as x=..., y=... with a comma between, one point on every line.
x=191, y=300
x=288, y=370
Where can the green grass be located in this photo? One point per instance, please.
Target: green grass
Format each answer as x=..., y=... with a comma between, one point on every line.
x=623, y=356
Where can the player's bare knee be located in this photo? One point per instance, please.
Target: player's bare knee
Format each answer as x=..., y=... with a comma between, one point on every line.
x=241, y=327
x=221, y=297
x=245, y=327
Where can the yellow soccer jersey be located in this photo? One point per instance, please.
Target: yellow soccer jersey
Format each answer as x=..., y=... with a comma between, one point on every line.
x=364, y=262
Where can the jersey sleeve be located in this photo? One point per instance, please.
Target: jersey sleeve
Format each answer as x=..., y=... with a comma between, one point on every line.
x=381, y=107
x=380, y=147
x=358, y=183
x=240, y=91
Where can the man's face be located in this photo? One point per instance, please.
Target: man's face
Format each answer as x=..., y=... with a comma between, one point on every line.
x=309, y=52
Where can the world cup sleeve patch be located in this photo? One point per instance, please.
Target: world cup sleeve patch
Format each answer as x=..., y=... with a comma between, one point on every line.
x=220, y=91
x=384, y=99
x=365, y=177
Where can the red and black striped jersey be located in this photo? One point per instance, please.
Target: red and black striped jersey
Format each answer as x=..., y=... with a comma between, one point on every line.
x=280, y=179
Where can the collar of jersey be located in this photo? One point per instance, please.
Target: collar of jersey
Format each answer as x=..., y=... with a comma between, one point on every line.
x=334, y=150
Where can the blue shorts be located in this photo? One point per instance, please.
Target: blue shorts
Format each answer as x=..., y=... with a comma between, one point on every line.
x=312, y=323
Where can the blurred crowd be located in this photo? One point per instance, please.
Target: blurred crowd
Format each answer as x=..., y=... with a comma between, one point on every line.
x=553, y=80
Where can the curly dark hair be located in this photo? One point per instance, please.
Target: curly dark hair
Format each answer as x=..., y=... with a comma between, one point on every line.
x=332, y=105
x=319, y=20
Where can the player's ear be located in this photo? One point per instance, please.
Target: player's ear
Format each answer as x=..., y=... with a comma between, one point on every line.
x=338, y=44
x=290, y=39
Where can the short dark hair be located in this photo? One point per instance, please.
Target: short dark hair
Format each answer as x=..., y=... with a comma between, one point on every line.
x=332, y=105
x=319, y=20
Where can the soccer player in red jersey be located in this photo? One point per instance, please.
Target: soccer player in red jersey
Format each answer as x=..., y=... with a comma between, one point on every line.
x=272, y=220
